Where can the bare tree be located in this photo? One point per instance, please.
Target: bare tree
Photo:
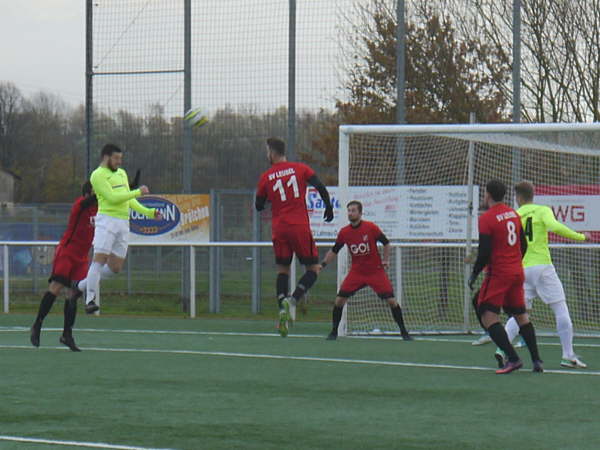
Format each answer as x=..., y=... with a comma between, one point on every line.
x=560, y=66
x=11, y=102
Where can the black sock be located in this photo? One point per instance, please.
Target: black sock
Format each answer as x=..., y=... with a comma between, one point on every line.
x=282, y=285
x=397, y=313
x=474, y=300
x=500, y=338
x=305, y=283
x=45, y=305
x=70, y=313
x=336, y=318
x=528, y=333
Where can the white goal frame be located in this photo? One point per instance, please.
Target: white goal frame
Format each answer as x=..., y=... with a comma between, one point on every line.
x=345, y=133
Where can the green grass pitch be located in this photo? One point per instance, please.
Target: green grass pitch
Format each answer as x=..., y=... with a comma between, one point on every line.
x=223, y=384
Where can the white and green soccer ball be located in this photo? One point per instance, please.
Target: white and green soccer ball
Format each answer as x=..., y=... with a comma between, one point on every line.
x=196, y=118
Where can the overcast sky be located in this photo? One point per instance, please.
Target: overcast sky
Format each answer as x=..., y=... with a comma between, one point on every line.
x=240, y=50
x=43, y=46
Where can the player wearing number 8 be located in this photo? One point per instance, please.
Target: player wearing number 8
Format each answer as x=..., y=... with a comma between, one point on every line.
x=284, y=186
x=502, y=245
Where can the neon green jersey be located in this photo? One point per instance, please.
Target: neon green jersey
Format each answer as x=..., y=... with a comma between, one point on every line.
x=537, y=221
x=114, y=196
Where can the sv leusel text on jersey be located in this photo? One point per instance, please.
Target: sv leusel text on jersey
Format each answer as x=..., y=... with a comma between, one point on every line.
x=281, y=173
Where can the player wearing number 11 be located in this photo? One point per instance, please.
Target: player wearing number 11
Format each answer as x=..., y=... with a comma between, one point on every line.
x=284, y=186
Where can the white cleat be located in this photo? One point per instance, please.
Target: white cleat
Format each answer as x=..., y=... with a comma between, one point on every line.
x=573, y=363
x=292, y=308
x=520, y=343
x=485, y=339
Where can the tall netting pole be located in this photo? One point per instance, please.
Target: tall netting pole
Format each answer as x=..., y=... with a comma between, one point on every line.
x=516, y=81
x=291, y=133
x=469, y=236
x=400, y=119
x=89, y=89
x=187, y=139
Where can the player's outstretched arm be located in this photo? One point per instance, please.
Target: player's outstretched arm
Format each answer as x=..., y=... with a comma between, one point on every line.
x=331, y=254
x=484, y=253
x=559, y=228
x=148, y=212
x=103, y=188
x=315, y=182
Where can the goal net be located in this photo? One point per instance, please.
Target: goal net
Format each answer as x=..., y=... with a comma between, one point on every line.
x=424, y=186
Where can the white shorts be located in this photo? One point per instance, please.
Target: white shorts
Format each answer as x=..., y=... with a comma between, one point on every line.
x=111, y=236
x=542, y=281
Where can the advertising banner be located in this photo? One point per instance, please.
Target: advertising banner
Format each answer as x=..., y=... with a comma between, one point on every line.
x=402, y=212
x=185, y=218
x=577, y=206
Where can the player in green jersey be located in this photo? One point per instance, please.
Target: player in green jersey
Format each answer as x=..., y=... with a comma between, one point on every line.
x=541, y=279
x=111, y=232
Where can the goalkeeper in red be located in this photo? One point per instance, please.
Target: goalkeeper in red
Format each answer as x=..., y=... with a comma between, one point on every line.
x=541, y=279
x=284, y=186
x=367, y=269
x=502, y=245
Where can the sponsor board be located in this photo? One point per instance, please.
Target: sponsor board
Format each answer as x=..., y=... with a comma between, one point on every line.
x=185, y=218
x=577, y=206
x=402, y=212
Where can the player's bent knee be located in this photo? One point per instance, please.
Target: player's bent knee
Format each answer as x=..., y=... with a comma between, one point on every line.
x=340, y=301
x=316, y=268
x=487, y=308
x=101, y=258
x=56, y=286
x=522, y=318
x=283, y=269
x=344, y=295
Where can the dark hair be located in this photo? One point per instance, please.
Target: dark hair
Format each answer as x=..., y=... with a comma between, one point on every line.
x=86, y=188
x=497, y=189
x=525, y=190
x=276, y=145
x=357, y=203
x=109, y=149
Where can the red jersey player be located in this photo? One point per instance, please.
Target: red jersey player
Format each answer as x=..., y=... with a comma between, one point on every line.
x=284, y=186
x=70, y=264
x=502, y=245
x=367, y=268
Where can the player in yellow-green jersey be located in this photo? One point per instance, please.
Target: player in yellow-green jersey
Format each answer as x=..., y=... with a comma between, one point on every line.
x=541, y=279
x=111, y=232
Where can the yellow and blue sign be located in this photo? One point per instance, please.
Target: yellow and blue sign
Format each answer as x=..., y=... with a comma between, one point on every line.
x=184, y=218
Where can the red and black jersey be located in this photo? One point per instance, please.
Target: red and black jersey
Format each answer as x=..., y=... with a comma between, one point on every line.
x=503, y=225
x=362, y=243
x=284, y=185
x=77, y=239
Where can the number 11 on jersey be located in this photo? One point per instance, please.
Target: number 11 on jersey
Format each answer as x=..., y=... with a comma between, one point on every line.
x=292, y=182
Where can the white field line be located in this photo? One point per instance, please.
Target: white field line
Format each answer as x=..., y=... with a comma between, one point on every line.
x=250, y=334
x=73, y=443
x=293, y=358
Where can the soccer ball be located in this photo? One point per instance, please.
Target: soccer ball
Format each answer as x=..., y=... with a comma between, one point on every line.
x=196, y=118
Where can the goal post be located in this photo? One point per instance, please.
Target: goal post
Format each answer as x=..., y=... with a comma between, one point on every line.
x=424, y=184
